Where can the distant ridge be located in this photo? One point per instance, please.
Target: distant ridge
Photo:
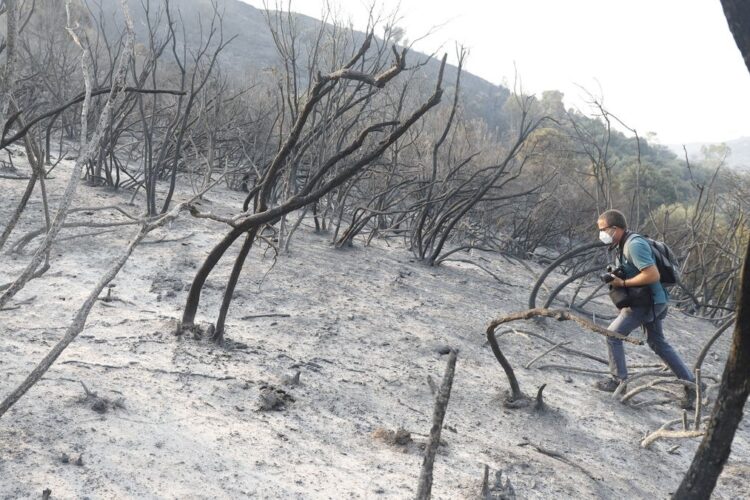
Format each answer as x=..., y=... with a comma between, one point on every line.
x=739, y=158
x=253, y=49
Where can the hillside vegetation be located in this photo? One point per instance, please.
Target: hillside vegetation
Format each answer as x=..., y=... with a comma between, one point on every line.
x=239, y=248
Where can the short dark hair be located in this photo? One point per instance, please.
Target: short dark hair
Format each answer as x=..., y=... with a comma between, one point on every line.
x=614, y=218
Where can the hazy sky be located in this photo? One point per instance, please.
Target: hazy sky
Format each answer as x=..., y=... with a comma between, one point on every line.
x=664, y=66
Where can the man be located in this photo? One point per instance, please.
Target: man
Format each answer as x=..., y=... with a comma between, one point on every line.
x=637, y=261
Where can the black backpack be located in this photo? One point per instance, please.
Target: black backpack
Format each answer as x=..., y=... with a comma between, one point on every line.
x=666, y=260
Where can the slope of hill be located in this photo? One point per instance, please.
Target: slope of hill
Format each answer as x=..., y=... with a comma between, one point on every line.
x=178, y=417
x=253, y=49
x=738, y=159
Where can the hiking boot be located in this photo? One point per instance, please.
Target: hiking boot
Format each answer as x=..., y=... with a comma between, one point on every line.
x=688, y=400
x=609, y=384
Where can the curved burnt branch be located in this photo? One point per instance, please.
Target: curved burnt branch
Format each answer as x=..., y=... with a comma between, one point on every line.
x=555, y=264
x=516, y=393
x=714, y=338
x=568, y=281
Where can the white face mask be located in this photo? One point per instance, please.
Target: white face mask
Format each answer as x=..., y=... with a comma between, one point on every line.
x=605, y=237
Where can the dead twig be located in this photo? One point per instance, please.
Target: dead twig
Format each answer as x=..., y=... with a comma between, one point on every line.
x=560, y=457
x=19, y=304
x=269, y=315
x=664, y=432
x=431, y=383
x=655, y=402
x=632, y=378
x=698, y=399
x=562, y=347
x=540, y=406
x=499, y=490
x=164, y=240
x=136, y=365
x=528, y=365
x=653, y=385
x=466, y=261
x=575, y=369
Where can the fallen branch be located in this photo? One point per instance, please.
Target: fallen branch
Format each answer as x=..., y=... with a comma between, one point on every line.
x=562, y=347
x=171, y=240
x=269, y=315
x=85, y=235
x=561, y=316
x=558, y=456
x=466, y=261
x=652, y=385
x=135, y=364
x=632, y=378
x=108, y=207
x=19, y=304
x=518, y=398
x=528, y=365
x=655, y=402
x=575, y=369
x=664, y=432
x=19, y=245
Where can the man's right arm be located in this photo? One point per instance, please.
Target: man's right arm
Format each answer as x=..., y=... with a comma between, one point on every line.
x=640, y=254
x=647, y=276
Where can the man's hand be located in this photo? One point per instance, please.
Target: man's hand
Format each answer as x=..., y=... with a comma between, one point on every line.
x=617, y=283
x=645, y=277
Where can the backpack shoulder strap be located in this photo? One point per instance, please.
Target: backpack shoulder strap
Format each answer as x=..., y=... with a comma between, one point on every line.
x=623, y=241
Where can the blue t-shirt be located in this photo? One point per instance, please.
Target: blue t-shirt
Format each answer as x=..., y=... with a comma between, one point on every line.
x=637, y=256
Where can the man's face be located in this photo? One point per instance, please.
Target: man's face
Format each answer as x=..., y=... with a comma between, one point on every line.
x=613, y=231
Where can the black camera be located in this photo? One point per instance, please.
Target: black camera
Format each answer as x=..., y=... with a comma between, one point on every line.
x=612, y=273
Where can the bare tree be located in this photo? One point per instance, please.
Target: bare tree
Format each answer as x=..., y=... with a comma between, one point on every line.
x=8, y=73
x=465, y=186
x=356, y=151
x=89, y=147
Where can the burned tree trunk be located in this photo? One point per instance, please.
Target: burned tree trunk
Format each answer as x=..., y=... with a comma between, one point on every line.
x=424, y=489
x=737, y=13
x=709, y=460
x=8, y=73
